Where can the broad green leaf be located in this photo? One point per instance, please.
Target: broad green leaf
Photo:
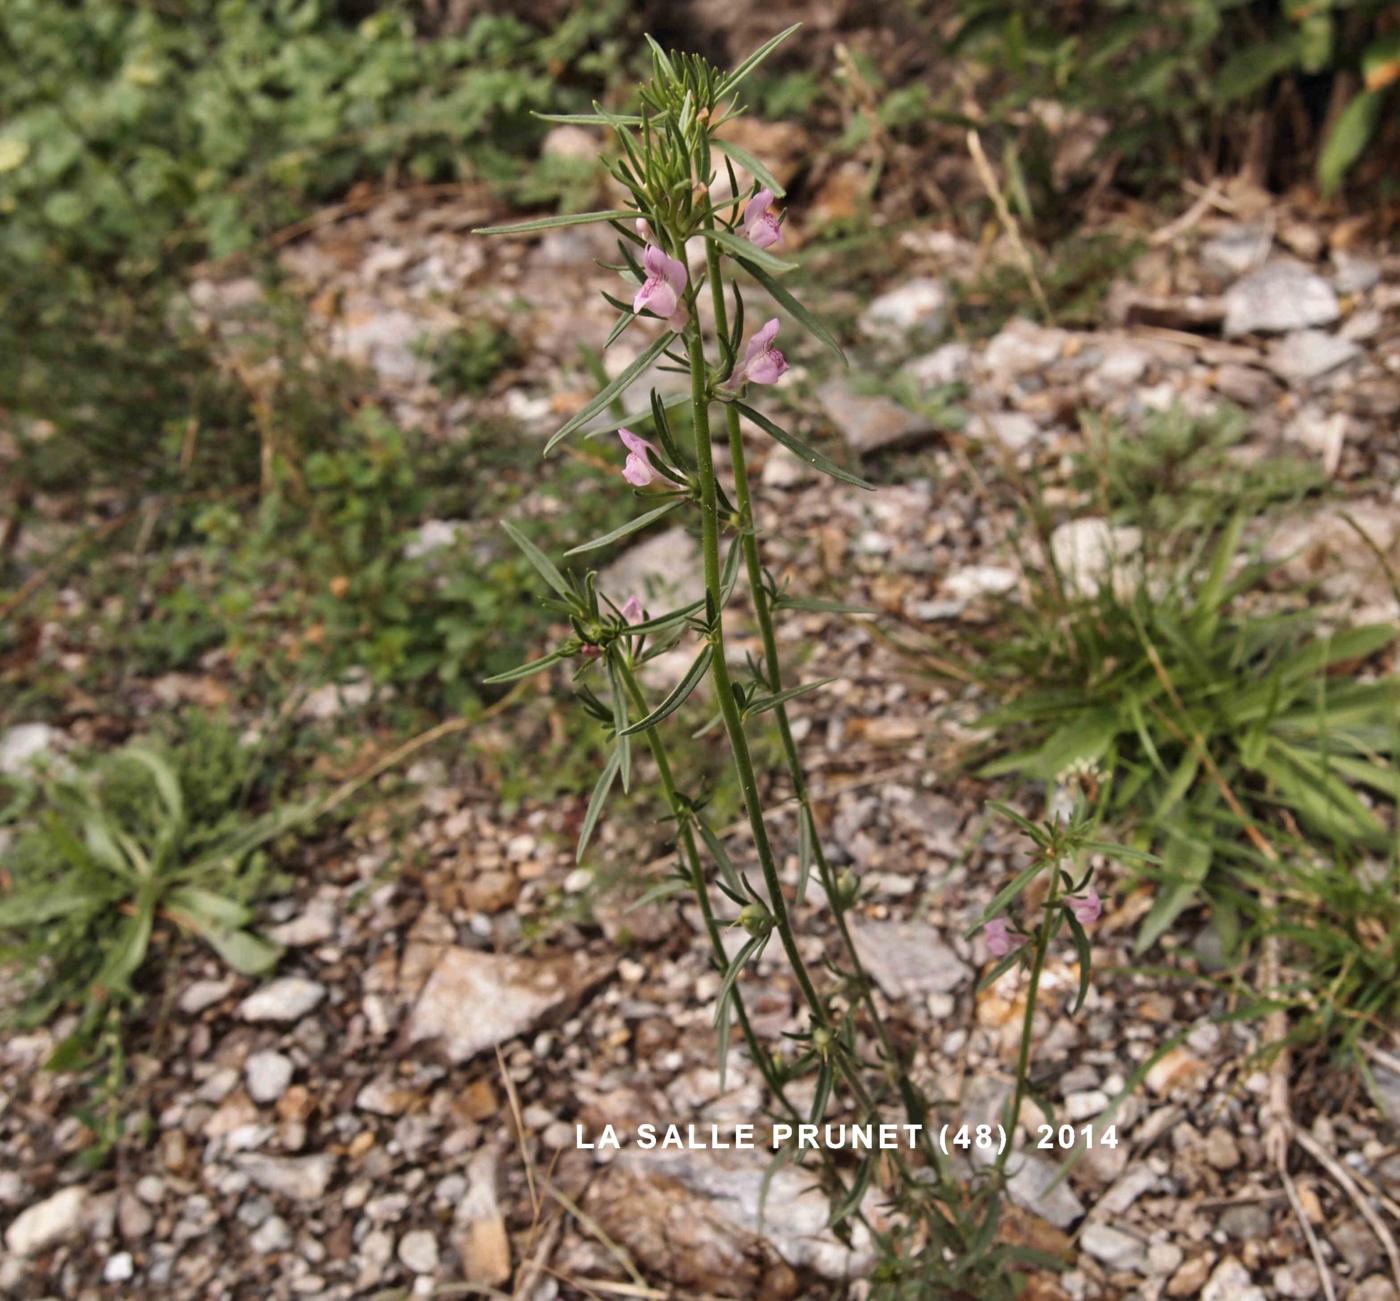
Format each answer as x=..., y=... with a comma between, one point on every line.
x=800, y=449
x=679, y=693
x=619, y=386
x=751, y=165
x=166, y=782
x=541, y=563
x=554, y=223
x=1185, y=862
x=626, y=530
x=128, y=951
x=1347, y=140
x=244, y=952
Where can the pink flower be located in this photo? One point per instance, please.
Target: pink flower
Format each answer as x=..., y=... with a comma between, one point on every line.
x=632, y=610
x=1000, y=940
x=763, y=363
x=761, y=221
x=590, y=651
x=661, y=290
x=638, y=471
x=1086, y=910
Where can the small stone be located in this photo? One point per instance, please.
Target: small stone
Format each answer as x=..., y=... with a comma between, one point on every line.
x=1088, y=551
x=1246, y=1221
x=1247, y=385
x=870, y=423
x=1357, y=1245
x=204, y=994
x=1307, y=355
x=969, y=583
x=299, y=1178
x=284, y=1000
x=1117, y=1250
x=782, y=469
x=1174, y=1071
x=1280, y=296
x=315, y=926
x=1190, y=1278
x=118, y=1268
x=664, y=570
x=1221, y=1150
x=473, y=1001
x=268, y=1074
x=1322, y=434
x=920, y=306
x=1375, y=1288
x=1230, y=1281
x=908, y=959
x=151, y=1189
x=134, y=1221
x=1030, y=1189
x=947, y=365
x=272, y=1235
x=479, y=1230
x=1163, y=1258
x=1237, y=250
x=26, y=744
x=1014, y=430
x=1298, y=1278
x=46, y=1223
x=1022, y=347
x=1083, y=1106
x=418, y=1251
x=1354, y=274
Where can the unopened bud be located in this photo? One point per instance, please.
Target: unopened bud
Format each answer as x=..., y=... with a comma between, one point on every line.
x=755, y=919
x=821, y=1040
x=847, y=888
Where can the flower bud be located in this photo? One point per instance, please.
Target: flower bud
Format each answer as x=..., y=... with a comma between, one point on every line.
x=821, y=1040
x=847, y=888
x=755, y=919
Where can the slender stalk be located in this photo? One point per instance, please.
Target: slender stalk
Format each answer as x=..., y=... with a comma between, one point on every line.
x=719, y=671
x=915, y=1107
x=1023, y=1060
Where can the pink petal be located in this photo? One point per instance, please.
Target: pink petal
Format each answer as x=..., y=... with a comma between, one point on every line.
x=634, y=442
x=632, y=610
x=999, y=939
x=756, y=209
x=767, y=233
x=762, y=339
x=767, y=367
x=637, y=471
x=675, y=275
x=1088, y=909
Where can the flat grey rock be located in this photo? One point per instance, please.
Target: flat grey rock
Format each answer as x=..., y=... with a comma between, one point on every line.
x=909, y=959
x=870, y=423
x=1279, y=297
x=1306, y=355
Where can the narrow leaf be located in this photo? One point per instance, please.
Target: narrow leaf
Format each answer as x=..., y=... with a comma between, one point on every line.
x=625, y=530
x=678, y=695
x=748, y=252
x=553, y=223
x=789, y=304
x=540, y=562
x=800, y=449
x=619, y=386
x=762, y=704
x=1081, y=947
x=751, y=165
x=525, y=670
x=731, y=82
x=597, y=800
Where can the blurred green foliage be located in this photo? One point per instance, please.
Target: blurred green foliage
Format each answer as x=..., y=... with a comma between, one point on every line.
x=1173, y=78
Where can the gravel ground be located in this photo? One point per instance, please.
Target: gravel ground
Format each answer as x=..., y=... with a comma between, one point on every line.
x=396, y=1109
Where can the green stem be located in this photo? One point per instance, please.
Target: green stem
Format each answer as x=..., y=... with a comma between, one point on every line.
x=915, y=1107
x=1023, y=1059
x=719, y=670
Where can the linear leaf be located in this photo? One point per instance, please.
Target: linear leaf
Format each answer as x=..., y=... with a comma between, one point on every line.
x=624, y=530
x=796, y=310
x=720, y=855
x=748, y=252
x=751, y=165
x=764, y=703
x=597, y=800
x=590, y=119
x=540, y=562
x=1081, y=947
x=800, y=449
x=619, y=386
x=553, y=223
x=678, y=695
x=525, y=670
x=731, y=82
